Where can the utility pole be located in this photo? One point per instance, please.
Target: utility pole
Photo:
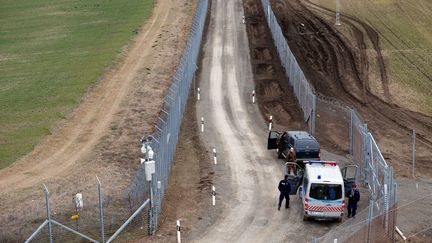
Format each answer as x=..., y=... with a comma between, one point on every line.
x=338, y=13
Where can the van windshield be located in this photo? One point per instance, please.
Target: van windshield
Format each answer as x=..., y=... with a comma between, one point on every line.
x=325, y=191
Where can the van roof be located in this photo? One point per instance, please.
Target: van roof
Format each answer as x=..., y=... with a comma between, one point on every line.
x=328, y=173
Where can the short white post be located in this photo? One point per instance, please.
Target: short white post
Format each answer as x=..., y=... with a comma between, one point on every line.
x=178, y=232
x=202, y=124
x=400, y=233
x=253, y=96
x=270, y=122
x=213, y=196
x=198, y=94
x=244, y=21
x=214, y=156
x=335, y=241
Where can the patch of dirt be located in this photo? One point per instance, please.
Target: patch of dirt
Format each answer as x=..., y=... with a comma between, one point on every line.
x=274, y=95
x=340, y=68
x=101, y=137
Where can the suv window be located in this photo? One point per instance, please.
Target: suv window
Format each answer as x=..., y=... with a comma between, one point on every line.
x=291, y=141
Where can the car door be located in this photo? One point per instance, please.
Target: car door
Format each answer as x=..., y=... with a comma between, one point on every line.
x=295, y=179
x=272, y=140
x=349, y=175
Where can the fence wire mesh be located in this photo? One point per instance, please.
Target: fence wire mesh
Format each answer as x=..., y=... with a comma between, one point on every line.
x=164, y=140
x=302, y=90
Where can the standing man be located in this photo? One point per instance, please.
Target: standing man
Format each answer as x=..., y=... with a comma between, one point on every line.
x=353, y=198
x=291, y=157
x=284, y=188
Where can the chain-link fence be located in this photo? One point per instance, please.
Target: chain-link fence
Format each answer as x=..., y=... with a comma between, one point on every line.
x=379, y=218
x=164, y=140
x=138, y=207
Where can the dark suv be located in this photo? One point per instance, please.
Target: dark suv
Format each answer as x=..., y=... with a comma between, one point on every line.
x=304, y=144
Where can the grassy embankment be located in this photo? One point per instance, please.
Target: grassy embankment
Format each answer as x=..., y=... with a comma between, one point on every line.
x=406, y=40
x=50, y=53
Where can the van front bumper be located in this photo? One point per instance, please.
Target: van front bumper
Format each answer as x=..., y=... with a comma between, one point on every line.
x=323, y=215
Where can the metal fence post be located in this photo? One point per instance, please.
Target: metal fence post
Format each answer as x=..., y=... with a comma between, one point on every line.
x=46, y=192
x=337, y=13
x=370, y=216
x=386, y=207
x=313, y=118
x=366, y=157
x=101, y=214
x=351, y=133
x=151, y=218
x=413, y=151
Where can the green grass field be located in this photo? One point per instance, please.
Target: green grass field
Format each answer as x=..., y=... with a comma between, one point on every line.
x=405, y=29
x=51, y=51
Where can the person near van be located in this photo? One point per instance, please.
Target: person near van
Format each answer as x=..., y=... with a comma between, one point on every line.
x=291, y=157
x=353, y=198
x=285, y=189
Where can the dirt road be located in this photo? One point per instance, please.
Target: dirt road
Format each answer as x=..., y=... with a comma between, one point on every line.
x=246, y=175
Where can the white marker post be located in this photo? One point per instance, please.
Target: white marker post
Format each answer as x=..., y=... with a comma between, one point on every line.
x=400, y=233
x=253, y=96
x=270, y=122
x=244, y=20
x=213, y=196
x=198, y=94
x=178, y=232
x=202, y=124
x=214, y=158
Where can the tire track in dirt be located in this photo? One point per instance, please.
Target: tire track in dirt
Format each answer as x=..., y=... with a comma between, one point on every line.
x=386, y=118
x=315, y=49
x=374, y=37
x=409, y=60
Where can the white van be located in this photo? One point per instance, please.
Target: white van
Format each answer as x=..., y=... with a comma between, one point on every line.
x=321, y=189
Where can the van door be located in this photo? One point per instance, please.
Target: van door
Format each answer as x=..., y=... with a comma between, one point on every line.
x=349, y=175
x=295, y=176
x=272, y=140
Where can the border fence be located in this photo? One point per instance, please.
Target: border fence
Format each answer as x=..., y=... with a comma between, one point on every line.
x=377, y=222
x=144, y=197
x=164, y=139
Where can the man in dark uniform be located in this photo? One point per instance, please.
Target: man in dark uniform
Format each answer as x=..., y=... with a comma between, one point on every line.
x=284, y=188
x=353, y=198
